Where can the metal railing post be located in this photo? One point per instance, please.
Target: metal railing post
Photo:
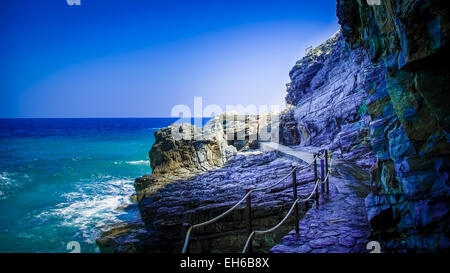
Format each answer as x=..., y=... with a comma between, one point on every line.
x=249, y=220
x=322, y=175
x=326, y=168
x=294, y=184
x=315, y=179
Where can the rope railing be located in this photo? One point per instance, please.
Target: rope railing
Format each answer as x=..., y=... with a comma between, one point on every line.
x=247, y=196
x=289, y=174
x=282, y=221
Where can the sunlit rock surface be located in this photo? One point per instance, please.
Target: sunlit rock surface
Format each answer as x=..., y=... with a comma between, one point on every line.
x=184, y=148
x=327, y=95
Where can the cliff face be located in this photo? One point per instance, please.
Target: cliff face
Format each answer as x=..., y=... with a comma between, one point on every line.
x=327, y=95
x=183, y=151
x=377, y=93
x=178, y=150
x=409, y=202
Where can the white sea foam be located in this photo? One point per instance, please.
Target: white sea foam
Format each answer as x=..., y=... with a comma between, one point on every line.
x=139, y=162
x=93, y=206
x=7, y=185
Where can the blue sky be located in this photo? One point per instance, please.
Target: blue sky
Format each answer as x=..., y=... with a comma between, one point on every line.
x=131, y=58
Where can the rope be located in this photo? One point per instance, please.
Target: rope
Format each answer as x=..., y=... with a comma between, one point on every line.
x=282, y=221
x=186, y=241
x=188, y=233
x=289, y=174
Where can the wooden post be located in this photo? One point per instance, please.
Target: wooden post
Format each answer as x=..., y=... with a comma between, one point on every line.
x=315, y=180
x=249, y=221
x=322, y=175
x=294, y=184
x=326, y=168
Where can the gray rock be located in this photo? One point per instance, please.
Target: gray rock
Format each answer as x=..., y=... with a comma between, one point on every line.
x=327, y=97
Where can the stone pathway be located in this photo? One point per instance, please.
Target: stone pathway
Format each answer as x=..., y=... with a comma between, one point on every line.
x=339, y=224
x=288, y=152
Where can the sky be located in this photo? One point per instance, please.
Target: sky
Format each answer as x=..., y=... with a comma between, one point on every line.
x=132, y=58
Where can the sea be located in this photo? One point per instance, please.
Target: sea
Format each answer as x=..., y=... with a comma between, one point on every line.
x=67, y=180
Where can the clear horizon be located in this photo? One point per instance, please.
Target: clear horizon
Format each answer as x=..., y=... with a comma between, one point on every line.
x=122, y=59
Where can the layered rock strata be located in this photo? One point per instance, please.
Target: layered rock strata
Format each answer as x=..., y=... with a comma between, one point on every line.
x=205, y=196
x=408, y=207
x=327, y=97
x=197, y=174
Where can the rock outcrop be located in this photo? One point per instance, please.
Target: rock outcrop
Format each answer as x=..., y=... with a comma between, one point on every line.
x=408, y=207
x=205, y=196
x=198, y=174
x=327, y=97
x=184, y=149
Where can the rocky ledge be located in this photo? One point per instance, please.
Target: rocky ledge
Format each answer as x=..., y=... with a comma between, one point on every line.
x=197, y=174
x=205, y=196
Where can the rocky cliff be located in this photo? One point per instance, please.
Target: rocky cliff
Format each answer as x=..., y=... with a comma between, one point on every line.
x=408, y=207
x=327, y=101
x=198, y=173
x=376, y=94
x=183, y=151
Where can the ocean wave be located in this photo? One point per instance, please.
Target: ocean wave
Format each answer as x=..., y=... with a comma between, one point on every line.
x=92, y=206
x=10, y=183
x=4, y=179
x=5, y=185
x=139, y=162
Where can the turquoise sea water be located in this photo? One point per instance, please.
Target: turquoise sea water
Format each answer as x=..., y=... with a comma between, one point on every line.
x=63, y=180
